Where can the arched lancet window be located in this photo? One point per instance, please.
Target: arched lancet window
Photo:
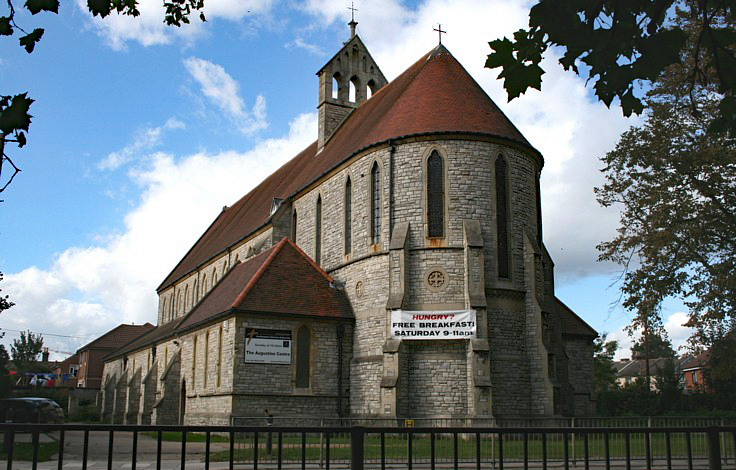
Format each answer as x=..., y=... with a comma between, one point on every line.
x=353, y=93
x=178, y=304
x=302, y=357
x=435, y=195
x=186, y=297
x=375, y=204
x=348, y=216
x=163, y=309
x=195, y=293
x=214, y=276
x=318, y=231
x=293, y=226
x=370, y=89
x=204, y=286
x=502, y=218
x=336, y=86
x=171, y=306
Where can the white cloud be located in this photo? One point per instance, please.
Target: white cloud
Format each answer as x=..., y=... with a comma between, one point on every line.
x=673, y=325
x=223, y=91
x=144, y=140
x=88, y=290
x=148, y=29
x=311, y=48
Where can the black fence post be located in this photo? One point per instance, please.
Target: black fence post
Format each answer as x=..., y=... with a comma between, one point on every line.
x=357, y=434
x=714, y=448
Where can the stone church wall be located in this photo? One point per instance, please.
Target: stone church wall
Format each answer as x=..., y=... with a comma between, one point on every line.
x=435, y=378
x=272, y=386
x=470, y=182
x=580, y=359
x=509, y=367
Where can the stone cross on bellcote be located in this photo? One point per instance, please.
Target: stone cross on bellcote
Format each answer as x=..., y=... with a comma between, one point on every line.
x=352, y=23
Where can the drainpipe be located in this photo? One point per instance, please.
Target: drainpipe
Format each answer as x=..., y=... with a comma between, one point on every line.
x=340, y=333
x=391, y=151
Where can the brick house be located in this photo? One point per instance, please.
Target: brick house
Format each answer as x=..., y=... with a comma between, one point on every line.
x=91, y=355
x=415, y=217
x=65, y=373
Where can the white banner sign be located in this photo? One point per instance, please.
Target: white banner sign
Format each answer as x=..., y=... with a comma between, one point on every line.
x=267, y=346
x=448, y=324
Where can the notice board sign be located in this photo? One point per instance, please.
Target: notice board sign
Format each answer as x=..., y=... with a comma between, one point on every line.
x=445, y=324
x=267, y=346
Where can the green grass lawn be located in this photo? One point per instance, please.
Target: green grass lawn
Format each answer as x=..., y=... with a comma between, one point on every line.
x=396, y=447
x=23, y=451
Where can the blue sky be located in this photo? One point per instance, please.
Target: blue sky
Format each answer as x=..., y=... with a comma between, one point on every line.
x=141, y=133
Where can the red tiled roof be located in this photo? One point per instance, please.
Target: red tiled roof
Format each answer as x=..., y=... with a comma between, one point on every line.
x=118, y=336
x=435, y=95
x=281, y=280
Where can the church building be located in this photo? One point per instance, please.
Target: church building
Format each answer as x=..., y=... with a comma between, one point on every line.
x=394, y=268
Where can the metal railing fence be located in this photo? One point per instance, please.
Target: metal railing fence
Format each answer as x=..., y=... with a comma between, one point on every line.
x=117, y=447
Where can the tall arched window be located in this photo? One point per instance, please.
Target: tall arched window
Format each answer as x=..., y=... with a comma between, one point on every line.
x=293, y=226
x=502, y=229
x=336, y=86
x=186, y=297
x=302, y=357
x=435, y=196
x=348, y=216
x=318, y=232
x=195, y=293
x=375, y=204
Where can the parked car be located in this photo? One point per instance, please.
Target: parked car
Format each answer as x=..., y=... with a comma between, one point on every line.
x=30, y=410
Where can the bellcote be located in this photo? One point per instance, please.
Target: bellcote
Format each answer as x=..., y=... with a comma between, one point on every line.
x=344, y=83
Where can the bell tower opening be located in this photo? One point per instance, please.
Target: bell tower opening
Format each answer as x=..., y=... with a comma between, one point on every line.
x=345, y=82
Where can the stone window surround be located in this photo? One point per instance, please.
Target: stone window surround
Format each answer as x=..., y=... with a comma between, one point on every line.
x=435, y=241
x=318, y=230
x=348, y=217
x=311, y=359
x=509, y=218
x=376, y=160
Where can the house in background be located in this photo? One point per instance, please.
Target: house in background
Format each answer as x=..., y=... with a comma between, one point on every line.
x=89, y=374
x=634, y=370
x=693, y=367
x=65, y=373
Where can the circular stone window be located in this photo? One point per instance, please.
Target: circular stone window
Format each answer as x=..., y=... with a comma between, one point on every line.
x=359, y=289
x=436, y=279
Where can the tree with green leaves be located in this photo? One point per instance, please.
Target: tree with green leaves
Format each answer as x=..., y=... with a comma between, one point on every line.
x=720, y=371
x=15, y=117
x=25, y=350
x=604, y=375
x=674, y=179
x=653, y=345
x=622, y=47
